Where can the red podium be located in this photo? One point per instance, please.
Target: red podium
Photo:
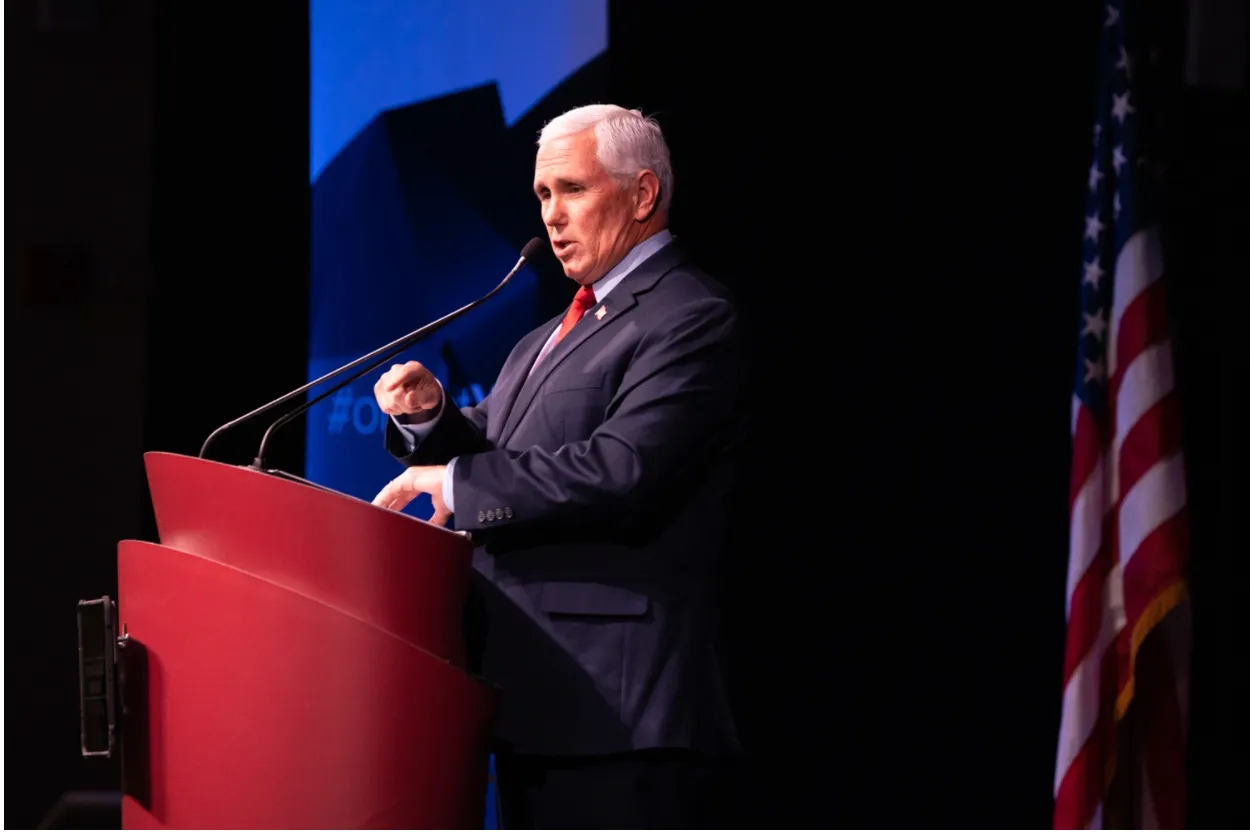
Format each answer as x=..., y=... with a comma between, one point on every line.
x=304, y=658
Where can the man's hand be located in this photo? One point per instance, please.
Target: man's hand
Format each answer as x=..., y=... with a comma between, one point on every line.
x=419, y=479
x=408, y=390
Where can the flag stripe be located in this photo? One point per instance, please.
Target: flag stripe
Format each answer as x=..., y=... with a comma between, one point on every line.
x=1155, y=436
x=1077, y=796
x=1159, y=566
x=1159, y=494
x=1078, y=793
x=1081, y=695
x=1096, y=821
x=1088, y=450
x=1087, y=599
x=1138, y=265
x=1143, y=324
x=1145, y=381
x=1085, y=534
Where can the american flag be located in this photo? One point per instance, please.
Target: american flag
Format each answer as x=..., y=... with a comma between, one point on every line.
x=1121, y=754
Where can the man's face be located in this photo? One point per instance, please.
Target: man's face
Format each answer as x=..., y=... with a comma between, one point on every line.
x=588, y=214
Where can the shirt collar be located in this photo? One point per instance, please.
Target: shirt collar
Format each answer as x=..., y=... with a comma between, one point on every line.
x=629, y=262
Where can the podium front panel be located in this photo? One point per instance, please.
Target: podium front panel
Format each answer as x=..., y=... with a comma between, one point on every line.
x=270, y=709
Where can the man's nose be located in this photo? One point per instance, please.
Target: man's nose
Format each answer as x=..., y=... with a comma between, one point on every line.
x=553, y=212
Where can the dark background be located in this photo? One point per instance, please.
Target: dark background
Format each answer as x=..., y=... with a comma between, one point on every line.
x=897, y=197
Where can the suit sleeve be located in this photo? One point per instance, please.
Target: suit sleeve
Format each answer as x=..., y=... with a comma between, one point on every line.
x=676, y=400
x=458, y=431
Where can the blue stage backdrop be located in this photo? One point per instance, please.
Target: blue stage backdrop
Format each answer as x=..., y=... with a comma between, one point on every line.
x=424, y=116
x=423, y=121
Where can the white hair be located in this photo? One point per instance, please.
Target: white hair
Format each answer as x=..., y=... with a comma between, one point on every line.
x=626, y=142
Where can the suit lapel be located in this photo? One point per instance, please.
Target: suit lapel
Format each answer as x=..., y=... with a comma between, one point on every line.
x=507, y=392
x=603, y=316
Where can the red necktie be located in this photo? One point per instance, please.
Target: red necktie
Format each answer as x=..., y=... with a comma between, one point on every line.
x=583, y=300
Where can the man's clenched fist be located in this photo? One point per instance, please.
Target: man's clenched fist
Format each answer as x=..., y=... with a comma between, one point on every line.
x=408, y=390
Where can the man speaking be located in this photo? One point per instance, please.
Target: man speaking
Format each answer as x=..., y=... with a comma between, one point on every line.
x=596, y=481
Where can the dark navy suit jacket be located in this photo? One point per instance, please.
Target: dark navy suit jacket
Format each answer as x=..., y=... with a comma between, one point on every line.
x=597, y=492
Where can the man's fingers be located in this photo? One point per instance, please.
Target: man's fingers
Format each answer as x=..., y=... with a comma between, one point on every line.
x=405, y=374
x=398, y=493
x=384, y=496
x=440, y=517
x=412, y=401
x=393, y=493
x=396, y=501
x=395, y=379
x=397, y=376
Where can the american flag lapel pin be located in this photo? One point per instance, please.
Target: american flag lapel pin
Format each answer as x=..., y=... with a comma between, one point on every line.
x=603, y=310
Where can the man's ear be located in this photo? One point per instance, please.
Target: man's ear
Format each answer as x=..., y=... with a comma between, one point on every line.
x=646, y=195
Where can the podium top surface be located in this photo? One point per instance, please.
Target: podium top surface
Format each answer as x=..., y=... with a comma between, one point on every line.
x=212, y=471
x=400, y=573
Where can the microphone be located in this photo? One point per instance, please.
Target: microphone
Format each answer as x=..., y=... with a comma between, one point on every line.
x=366, y=363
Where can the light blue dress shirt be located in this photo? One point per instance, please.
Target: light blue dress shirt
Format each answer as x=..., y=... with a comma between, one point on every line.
x=413, y=434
